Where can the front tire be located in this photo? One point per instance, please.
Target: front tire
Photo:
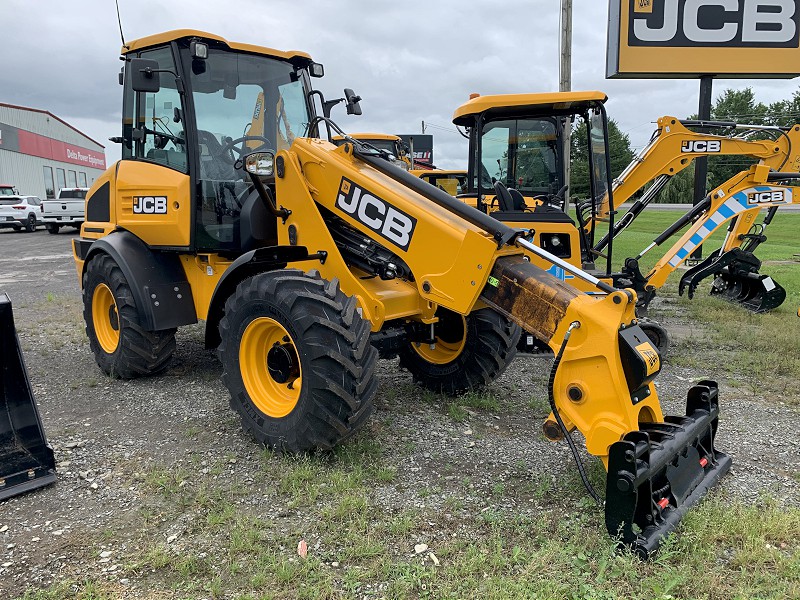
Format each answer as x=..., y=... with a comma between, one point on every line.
x=121, y=346
x=464, y=359
x=297, y=360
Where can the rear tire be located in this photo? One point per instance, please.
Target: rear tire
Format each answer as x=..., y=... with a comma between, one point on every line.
x=297, y=360
x=488, y=348
x=52, y=229
x=121, y=346
x=30, y=224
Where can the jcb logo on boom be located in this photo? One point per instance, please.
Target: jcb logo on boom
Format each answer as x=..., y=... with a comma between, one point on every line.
x=150, y=205
x=380, y=216
x=701, y=146
x=768, y=197
x=714, y=23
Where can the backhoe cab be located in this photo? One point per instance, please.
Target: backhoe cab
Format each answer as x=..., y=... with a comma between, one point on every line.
x=307, y=260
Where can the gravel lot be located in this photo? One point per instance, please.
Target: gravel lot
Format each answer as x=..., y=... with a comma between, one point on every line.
x=107, y=434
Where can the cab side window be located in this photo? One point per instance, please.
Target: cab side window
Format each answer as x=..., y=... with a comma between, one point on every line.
x=158, y=117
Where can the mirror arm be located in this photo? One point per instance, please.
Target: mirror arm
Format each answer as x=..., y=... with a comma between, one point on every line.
x=266, y=196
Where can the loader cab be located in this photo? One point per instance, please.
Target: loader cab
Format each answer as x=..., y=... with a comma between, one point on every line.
x=194, y=105
x=516, y=168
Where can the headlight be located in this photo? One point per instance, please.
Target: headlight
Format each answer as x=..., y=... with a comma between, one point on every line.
x=260, y=164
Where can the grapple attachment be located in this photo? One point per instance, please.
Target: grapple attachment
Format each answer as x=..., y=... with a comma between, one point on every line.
x=26, y=460
x=736, y=279
x=657, y=473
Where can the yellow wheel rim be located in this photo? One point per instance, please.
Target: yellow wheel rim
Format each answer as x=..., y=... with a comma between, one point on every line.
x=443, y=352
x=270, y=367
x=105, y=318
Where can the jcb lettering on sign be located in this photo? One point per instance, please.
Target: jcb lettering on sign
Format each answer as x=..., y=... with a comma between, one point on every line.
x=724, y=23
x=701, y=146
x=768, y=197
x=381, y=217
x=150, y=205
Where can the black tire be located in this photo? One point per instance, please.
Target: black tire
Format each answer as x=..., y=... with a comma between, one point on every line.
x=30, y=224
x=327, y=338
x=52, y=229
x=489, y=347
x=657, y=334
x=138, y=352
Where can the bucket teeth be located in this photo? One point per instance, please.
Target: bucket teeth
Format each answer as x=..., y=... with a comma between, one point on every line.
x=657, y=473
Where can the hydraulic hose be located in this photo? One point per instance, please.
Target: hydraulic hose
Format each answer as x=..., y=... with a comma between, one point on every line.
x=551, y=398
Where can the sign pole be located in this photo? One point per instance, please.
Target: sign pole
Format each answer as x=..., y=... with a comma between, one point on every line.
x=701, y=162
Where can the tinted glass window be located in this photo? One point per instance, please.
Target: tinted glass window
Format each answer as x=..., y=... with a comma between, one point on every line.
x=72, y=194
x=257, y=100
x=82, y=179
x=49, y=186
x=61, y=178
x=8, y=201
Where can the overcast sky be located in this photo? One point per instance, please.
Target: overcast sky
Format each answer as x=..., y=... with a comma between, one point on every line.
x=410, y=61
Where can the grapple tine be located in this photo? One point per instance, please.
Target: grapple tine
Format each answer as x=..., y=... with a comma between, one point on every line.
x=754, y=291
x=657, y=473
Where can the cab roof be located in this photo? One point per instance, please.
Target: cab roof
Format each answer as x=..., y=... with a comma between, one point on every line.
x=177, y=34
x=549, y=103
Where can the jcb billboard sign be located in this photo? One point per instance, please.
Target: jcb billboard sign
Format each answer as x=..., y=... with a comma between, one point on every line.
x=688, y=38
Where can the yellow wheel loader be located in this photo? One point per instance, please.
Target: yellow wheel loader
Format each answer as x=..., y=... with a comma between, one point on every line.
x=308, y=262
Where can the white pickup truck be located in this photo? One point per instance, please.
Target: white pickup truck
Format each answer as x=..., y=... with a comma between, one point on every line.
x=67, y=209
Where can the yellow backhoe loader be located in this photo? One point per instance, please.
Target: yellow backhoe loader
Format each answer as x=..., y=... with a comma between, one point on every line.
x=306, y=263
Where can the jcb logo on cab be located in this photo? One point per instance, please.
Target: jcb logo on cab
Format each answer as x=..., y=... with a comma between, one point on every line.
x=701, y=146
x=720, y=23
x=150, y=205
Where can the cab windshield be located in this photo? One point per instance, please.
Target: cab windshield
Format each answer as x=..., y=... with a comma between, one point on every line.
x=522, y=154
x=242, y=103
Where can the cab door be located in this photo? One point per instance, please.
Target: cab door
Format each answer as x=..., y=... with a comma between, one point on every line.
x=152, y=183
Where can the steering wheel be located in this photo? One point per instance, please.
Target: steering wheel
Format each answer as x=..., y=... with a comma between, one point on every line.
x=239, y=146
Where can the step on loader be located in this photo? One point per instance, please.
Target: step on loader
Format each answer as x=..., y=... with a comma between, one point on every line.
x=307, y=261
x=26, y=459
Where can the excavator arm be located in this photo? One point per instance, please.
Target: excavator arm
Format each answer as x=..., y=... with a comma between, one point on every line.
x=673, y=147
x=454, y=256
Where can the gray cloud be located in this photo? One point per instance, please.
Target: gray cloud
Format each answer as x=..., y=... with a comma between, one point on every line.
x=409, y=62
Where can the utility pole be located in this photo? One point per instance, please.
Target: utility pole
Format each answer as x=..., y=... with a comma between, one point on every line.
x=565, y=80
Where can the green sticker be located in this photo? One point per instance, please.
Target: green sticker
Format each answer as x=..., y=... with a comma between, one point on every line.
x=494, y=281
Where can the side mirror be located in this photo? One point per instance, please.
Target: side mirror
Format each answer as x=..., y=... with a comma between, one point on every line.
x=353, y=106
x=144, y=75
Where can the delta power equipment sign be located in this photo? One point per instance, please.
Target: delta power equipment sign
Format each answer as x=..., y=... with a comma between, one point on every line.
x=690, y=38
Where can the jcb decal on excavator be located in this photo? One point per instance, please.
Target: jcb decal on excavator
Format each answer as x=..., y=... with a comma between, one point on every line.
x=650, y=356
x=769, y=197
x=701, y=146
x=150, y=205
x=380, y=216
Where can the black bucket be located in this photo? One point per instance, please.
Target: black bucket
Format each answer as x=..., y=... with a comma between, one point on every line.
x=657, y=473
x=26, y=460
